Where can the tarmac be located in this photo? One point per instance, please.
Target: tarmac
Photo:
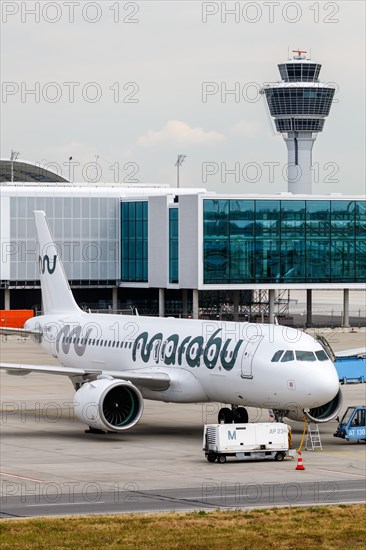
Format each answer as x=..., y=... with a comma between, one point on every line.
x=49, y=465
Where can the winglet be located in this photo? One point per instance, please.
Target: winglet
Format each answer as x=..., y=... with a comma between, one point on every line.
x=56, y=293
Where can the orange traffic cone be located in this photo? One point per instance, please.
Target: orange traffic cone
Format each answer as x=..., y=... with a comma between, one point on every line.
x=300, y=465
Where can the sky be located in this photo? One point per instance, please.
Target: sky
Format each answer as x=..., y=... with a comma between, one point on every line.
x=124, y=87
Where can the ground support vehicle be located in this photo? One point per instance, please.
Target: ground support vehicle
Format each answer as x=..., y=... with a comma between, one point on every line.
x=252, y=441
x=353, y=424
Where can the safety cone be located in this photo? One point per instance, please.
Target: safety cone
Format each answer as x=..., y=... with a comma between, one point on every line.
x=300, y=465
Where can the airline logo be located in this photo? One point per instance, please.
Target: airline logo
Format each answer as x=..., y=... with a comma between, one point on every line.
x=173, y=350
x=193, y=349
x=72, y=338
x=45, y=263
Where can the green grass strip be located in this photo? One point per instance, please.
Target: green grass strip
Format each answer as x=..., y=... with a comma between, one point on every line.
x=320, y=527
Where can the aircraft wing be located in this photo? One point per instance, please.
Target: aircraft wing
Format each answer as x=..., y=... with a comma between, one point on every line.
x=16, y=368
x=148, y=379
x=357, y=352
x=9, y=331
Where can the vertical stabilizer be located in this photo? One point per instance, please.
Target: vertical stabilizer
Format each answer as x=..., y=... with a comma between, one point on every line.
x=56, y=293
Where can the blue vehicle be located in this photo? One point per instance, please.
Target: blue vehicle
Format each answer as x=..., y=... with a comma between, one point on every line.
x=353, y=424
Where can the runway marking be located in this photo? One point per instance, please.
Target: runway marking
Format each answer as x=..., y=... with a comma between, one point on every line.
x=23, y=477
x=339, y=472
x=341, y=453
x=66, y=503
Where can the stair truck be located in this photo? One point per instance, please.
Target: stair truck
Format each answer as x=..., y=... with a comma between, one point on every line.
x=252, y=441
x=353, y=424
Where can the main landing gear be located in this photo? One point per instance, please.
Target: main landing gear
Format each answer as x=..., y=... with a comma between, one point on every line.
x=235, y=415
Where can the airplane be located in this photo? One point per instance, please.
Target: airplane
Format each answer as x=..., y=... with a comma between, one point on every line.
x=115, y=362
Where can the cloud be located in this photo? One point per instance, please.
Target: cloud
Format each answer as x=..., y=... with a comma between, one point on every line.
x=179, y=132
x=245, y=128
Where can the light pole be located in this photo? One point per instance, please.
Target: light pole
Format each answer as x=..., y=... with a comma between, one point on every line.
x=13, y=156
x=179, y=163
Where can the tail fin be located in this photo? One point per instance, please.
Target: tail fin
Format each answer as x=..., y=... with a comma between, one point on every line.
x=56, y=293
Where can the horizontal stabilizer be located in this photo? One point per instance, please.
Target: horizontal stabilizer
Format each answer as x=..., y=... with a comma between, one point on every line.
x=10, y=331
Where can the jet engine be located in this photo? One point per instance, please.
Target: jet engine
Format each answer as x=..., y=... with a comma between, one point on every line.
x=320, y=414
x=108, y=404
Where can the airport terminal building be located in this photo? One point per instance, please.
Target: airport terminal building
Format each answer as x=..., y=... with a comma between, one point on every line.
x=168, y=250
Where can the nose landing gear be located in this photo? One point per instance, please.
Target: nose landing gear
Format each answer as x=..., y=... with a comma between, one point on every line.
x=237, y=415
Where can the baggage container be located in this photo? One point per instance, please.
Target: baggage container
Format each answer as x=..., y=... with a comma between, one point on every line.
x=15, y=318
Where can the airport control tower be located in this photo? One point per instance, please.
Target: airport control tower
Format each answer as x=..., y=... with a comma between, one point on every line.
x=299, y=104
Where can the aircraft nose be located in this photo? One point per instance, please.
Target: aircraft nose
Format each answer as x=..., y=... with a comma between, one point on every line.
x=328, y=381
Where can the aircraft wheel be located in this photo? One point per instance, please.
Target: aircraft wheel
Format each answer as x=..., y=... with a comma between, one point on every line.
x=94, y=431
x=241, y=416
x=221, y=459
x=225, y=416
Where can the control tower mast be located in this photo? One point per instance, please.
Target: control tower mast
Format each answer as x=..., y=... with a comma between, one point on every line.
x=299, y=104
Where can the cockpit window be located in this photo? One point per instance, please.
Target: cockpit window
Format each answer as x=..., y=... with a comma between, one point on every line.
x=277, y=356
x=288, y=356
x=305, y=356
x=321, y=355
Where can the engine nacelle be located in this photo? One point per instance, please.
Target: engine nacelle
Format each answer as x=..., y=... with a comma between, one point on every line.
x=108, y=404
x=320, y=414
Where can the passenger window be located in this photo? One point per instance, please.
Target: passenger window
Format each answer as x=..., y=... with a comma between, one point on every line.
x=288, y=356
x=321, y=355
x=305, y=356
x=277, y=356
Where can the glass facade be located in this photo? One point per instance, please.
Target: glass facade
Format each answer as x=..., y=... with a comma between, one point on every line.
x=85, y=228
x=173, y=245
x=134, y=241
x=299, y=72
x=284, y=241
x=299, y=101
x=299, y=124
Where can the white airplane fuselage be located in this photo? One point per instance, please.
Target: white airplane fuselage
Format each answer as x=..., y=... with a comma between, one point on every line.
x=206, y=360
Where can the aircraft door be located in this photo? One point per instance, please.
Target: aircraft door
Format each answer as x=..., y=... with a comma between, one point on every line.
x=249, y=354
x=50, y=334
